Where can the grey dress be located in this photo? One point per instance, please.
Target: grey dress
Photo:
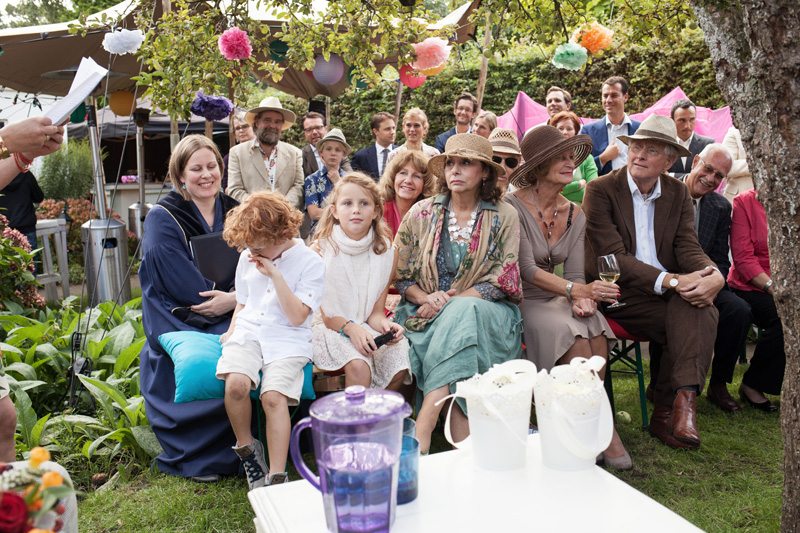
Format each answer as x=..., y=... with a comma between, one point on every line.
x=549, y=325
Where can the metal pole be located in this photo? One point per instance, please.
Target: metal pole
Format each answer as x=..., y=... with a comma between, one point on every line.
x=97, y=162
x=140, y=161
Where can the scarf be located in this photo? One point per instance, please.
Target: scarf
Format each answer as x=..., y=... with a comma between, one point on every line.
x=492, y=254
x=341, y=284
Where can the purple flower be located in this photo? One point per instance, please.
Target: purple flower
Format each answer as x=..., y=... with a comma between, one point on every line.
x=211, y=107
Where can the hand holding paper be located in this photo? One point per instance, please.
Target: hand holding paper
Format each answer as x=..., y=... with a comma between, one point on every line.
x=89, y=75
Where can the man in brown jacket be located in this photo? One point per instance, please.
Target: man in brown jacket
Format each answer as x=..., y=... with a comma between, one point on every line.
x=646, y=219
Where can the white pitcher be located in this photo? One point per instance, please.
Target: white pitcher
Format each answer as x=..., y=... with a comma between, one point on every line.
x=573, y=413
x=499, y=409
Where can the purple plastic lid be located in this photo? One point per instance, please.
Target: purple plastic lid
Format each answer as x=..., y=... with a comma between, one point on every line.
x=358, y=405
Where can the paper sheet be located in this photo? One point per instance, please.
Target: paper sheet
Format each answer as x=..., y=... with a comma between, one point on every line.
x=86, y=79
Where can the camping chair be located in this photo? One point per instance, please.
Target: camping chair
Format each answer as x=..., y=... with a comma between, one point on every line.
x=626, y=344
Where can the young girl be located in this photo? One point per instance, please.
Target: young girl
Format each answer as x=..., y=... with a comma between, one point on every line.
x=355, y=244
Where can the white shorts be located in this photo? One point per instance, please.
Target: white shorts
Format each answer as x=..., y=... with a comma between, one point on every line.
x=284, y=375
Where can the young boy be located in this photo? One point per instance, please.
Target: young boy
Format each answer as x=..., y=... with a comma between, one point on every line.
x=279, y=284
x=333, y=148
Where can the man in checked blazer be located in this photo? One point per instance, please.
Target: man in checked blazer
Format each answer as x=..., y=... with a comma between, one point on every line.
x=267, y=162
x=713, y=225
x=684, y=114
x=645, y=218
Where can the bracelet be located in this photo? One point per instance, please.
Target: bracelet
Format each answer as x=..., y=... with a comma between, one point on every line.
x=341, y=331
x=767, y=285
x=568, y=290
x=21, y=166
x=24, y=159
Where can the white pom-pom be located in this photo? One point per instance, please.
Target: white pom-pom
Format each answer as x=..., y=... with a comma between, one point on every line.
x=123, y=41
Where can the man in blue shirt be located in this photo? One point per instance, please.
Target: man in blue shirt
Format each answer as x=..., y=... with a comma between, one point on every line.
x=465, y=109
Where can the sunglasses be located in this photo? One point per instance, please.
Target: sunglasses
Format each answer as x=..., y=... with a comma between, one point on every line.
x=511, y=162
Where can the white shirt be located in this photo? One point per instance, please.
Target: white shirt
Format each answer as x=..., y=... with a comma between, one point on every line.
x=615, y=131
x=262, y=318
x=644, y=212
x=380, y=150
x=685, y=144
x=320, y=164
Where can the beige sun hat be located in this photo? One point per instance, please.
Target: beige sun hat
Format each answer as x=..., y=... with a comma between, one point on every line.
x=657, y=128
x=544, y=142
x=468, y=146
x=335, y=135
x=270, y=103
x=505, y=141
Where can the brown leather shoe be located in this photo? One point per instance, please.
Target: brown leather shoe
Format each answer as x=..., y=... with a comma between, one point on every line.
x=718, y=394
x=658, y=427
x=683, y=421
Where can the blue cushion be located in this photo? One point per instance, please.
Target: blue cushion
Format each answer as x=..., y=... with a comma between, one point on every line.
x=195, y=357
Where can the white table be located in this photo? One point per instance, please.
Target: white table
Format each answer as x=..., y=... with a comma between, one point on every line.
x=455, y=495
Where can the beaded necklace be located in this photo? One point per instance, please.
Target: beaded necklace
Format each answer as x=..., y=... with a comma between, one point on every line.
x=459, y=233
x=548, y=227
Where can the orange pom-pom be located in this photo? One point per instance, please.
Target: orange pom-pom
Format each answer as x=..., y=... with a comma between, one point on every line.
x=38, y=456
x=52, y=479
x=594, y=37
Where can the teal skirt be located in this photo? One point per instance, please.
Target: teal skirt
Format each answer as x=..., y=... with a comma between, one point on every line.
x=467, y=337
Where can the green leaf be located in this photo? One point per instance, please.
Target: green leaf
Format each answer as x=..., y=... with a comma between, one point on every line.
x=23, y=369
x=146, y=438
x=6, y=348
x=26, y=416
x=36, y=432
x=100, y=395
x=122, y=337
x=128, y=356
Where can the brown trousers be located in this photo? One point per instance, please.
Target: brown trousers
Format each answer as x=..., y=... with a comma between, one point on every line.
x=687, y=333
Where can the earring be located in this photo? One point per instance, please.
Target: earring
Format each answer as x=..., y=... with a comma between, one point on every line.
x=183, y=186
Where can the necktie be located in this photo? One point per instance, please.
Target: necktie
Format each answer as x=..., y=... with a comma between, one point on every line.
x=696, y=214
x=383, y=162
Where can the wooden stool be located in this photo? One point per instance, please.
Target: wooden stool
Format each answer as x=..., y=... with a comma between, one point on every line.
x=57, y=228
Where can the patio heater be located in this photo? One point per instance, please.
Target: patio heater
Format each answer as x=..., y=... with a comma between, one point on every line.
x=138, y=211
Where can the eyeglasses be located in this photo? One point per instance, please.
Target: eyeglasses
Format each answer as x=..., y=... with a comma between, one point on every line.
x=313, y=128
x=648, y=151
x=719, y=176
x=242, y=128
x=511, y=162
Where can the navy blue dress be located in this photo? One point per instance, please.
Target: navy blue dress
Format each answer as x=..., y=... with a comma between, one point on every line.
x=196, y=436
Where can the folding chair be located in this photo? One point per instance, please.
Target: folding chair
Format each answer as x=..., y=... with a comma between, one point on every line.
x=626, y=344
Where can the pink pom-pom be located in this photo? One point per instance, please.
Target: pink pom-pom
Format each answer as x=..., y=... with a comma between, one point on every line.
x=431, y=53
x=234, y=44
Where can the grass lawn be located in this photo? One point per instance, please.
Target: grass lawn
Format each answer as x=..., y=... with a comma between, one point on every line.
x=733, y=483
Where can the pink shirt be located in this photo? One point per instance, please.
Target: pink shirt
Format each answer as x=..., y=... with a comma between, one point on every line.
x=748, y=241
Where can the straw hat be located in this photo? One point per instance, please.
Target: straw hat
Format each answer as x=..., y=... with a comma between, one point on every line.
x=270, y=103
x=468, y=146
x=544, y=142
x=657, y=128
x=334, y=135
x=504, y=141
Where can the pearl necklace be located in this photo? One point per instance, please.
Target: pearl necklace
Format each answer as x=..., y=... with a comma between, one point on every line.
x=459, y=233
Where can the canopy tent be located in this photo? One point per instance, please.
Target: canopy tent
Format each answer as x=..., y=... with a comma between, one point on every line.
x=526, y=113
x=34, y=51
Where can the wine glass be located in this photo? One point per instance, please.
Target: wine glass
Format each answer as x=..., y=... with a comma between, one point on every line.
x=608, y=268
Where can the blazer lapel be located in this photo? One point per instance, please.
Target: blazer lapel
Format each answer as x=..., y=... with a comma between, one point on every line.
x=708, y=221
x=280, y=167
x=625, y=205
x=258, y=162
x=372, y=155
x=663, y=207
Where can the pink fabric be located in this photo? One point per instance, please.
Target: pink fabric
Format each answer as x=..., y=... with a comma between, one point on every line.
x=748, y=241
x=526, y=113
x=391, y=216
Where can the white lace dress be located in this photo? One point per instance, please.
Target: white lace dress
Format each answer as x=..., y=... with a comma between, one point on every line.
x=331, y=350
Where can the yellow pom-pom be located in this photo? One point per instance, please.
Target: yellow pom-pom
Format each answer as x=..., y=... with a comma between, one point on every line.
x=38, y=456
x=52, y=479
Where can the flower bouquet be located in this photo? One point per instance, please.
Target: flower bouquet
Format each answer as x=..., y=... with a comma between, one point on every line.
x=30, y=496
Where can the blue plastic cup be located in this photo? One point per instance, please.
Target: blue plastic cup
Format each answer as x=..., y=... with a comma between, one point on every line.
x=408, y=484
x=409, y=427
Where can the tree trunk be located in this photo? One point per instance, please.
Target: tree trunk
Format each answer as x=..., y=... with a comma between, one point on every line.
x=755, y=47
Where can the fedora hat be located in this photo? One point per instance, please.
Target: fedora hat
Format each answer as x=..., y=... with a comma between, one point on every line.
x=468, y=146
x=657, y=128
x=270, y=103
x=335, y=135
x=544, y=142
x=504, y=141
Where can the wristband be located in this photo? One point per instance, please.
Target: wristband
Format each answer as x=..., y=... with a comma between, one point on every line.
x=341, y=331
x=20, y=165
x=24, y=159
x=767, y=285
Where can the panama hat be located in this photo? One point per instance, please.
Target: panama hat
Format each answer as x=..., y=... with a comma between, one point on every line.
x=334, y=135
x=544, y=142
x=270, y=103
x=504, y=141
x=468, y=146
x=657, y=128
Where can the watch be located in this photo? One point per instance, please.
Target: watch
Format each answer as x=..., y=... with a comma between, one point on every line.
x=767, y=285
x=673, y=282
x=4, y=153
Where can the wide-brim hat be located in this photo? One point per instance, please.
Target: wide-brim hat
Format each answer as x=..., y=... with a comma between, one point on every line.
x=270, y=103
x=544, y=142
x=504, y=141
x=657, y=128
x=334, y=135
x=468, y=146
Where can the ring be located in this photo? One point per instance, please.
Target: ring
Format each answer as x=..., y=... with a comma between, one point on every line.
x=46, y=138
x=437, y=299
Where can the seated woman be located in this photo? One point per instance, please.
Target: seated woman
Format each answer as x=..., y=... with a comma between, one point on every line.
x=415, y=128
x=484, y=124
x=569, y=125
x=196, y=436
x=560, y=315
x=751, y=280
x=405, y=182
x=459, y=279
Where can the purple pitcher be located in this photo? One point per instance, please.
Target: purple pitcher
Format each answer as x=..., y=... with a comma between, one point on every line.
x=357, y=442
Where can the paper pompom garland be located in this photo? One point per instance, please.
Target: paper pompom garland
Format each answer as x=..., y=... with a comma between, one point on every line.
x=431, y=53
x=123, y=41
x=570, y=56
x=594, y=37
x=211, y=107
x=411, y=78
x=235, y=44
